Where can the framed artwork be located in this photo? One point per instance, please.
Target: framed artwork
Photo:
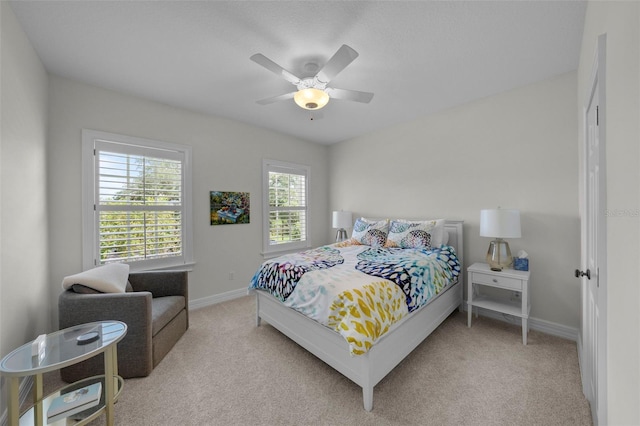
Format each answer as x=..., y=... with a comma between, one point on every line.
x=229, y=207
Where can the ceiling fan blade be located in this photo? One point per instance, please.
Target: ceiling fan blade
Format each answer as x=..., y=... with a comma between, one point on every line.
x=349, y=95
x=276, y=98
x=339, y=61
x=260, y=59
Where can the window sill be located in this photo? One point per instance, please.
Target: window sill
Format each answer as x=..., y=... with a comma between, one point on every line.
x=187, y=266
x=272, y=254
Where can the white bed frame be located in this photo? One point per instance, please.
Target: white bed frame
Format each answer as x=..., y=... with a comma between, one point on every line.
x=368, y=369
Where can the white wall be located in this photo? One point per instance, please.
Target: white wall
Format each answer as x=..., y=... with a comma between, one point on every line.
x=25, y=310
x=227, y=156
x=620, y=21
x=514, y=150
x=23, y=197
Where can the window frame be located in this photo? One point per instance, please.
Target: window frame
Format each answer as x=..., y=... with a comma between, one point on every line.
x=268, y=249
x=90, y=225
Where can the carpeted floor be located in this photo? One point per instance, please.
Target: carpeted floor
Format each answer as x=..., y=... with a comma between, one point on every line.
x=227, y=371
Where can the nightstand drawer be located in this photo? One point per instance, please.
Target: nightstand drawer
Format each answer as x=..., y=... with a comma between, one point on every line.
x=496, y=281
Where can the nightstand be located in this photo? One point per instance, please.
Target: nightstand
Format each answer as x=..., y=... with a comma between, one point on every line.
x=507, y=279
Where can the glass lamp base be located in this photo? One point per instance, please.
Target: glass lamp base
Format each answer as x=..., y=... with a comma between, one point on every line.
x=499, y=255
x=341, y=235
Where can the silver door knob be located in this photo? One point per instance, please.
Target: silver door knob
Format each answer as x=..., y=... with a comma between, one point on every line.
x=579, y=274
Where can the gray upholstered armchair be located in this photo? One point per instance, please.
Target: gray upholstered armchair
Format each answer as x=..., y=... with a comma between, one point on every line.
x=156, y=312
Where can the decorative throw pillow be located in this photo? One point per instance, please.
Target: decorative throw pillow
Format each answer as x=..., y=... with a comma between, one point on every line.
x=370, y=233
x=415, y=234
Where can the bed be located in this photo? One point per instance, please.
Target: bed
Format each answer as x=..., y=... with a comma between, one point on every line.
x=365, y=366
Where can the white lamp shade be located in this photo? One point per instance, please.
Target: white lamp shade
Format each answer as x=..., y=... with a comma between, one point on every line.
x=500, y=223
x=342, y=219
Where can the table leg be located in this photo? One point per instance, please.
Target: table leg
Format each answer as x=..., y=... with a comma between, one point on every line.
x=469, y=301
x=14, y=404
x=115, y=364
x=37, y=398
x=109, y=391
x=526, y=305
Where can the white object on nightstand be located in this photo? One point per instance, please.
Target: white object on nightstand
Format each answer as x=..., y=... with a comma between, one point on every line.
x=508, y=279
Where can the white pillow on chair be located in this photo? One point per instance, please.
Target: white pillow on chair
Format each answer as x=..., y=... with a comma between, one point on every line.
x=110, y=278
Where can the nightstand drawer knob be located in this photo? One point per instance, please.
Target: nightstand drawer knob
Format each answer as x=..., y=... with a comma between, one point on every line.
x=495, y=280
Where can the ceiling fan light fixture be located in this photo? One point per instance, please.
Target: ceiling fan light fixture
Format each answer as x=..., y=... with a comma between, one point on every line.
x=311, y=98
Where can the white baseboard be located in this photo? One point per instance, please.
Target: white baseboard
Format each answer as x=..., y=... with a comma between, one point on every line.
x=216, y=298
x=537, y=324
x=555, y=329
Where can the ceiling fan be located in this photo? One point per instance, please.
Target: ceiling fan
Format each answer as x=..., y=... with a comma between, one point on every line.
x=313, y=93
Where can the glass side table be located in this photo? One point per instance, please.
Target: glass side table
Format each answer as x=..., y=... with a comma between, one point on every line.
x=62, y=349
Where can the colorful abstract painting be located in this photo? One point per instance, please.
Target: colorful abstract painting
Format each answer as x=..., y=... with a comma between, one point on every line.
x=229, y=207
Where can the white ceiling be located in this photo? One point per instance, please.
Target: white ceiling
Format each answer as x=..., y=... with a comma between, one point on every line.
x=418, y=57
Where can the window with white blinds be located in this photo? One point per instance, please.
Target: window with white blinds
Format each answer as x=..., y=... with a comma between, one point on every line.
x=138, y=205
x=286, y=206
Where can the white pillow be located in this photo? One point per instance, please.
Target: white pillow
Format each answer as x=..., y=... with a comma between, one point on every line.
x=110, y=278
x=437, y=235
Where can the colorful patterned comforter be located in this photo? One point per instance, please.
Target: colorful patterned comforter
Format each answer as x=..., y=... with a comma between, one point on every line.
x=356, y=290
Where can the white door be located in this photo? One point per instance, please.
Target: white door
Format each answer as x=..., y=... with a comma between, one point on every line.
x=594, y=303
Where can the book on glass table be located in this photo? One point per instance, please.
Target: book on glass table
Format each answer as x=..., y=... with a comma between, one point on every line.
x=73, y=402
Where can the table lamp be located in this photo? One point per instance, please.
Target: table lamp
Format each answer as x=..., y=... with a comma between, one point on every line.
x=499, y=223
x=341, y=220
